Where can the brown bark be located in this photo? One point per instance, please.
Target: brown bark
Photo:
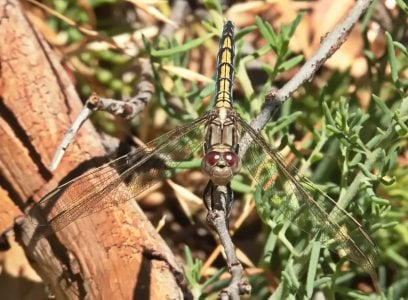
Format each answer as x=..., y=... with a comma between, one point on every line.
x=113, y=254
x=9, y=212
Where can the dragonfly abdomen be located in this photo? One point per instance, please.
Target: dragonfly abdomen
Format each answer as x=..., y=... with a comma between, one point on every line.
x=225, y=68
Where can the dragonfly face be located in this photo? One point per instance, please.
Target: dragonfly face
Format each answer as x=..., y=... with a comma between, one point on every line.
x=221, y=166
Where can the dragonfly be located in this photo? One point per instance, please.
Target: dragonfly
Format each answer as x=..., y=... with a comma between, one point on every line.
x=292, y=196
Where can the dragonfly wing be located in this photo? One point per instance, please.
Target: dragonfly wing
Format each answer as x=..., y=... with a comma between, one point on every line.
x=103, y=187
x=290, y=196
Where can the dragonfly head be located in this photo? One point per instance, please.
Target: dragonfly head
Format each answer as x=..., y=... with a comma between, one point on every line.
x=221, y=166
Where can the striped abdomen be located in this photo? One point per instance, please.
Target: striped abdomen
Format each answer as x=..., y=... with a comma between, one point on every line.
x=225, y=68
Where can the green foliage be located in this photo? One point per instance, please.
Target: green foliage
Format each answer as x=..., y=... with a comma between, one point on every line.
x=279, y=44
x=357, y=149
x=188, y=45
x=192, y=271
x=403, y=5
x=352, y=151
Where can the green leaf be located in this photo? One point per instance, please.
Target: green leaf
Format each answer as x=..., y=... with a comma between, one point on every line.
x=285, y=122
x=289, y=64
x=403, y=5
x=380, y=201
x=244, y=32
x=104, y=75
x=268, y=33
x=188, y=256
x=271, y=71
x=292, y=26
x=181, y=48
x=214, y=278
x=313, y=265
x=381, y=105
x=213, y=5
x=391, y=57
x=401, y=47
x=328, y=115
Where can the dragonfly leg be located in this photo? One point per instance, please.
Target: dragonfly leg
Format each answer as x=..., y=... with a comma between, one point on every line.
x=218, y=200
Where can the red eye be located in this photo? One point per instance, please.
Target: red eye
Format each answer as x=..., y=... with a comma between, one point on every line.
x=231, y=158
x=212, y=158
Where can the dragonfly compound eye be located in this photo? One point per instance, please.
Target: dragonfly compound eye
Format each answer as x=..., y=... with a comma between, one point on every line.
x=231, y=158
x=212, y=158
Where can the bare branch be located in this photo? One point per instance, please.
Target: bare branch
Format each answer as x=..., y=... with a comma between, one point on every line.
x=218, y=200
x=127, y=109
x=329, y=45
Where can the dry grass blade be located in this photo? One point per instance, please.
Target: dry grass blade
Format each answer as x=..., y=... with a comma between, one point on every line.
x=86, y=31
x=151, y=10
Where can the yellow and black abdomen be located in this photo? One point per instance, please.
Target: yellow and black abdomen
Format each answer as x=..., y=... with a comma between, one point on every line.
x=225, y=68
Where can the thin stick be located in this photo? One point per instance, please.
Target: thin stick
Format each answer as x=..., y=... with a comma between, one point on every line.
x=329, y=45
x=127, y=109
x=70, y=135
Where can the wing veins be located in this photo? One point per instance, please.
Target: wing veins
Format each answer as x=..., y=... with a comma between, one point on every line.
x=89, y=196
x=322, y=214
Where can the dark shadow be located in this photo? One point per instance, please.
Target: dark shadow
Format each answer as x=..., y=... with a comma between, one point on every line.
x=60, y=253
x=12, y=288
x=11, y=120
x=4, y=243
x=77, y=171
x=12, y=193
x=142, y=288
x=144, y=278
x=68, y=276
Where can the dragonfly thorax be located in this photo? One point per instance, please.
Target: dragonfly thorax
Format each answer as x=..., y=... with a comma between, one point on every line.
x=221, y=161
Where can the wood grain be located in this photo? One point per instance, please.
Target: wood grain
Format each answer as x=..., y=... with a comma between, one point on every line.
x=113, y=254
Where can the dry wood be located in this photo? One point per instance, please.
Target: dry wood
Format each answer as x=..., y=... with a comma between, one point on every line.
x=9, y=212
x=113, y=254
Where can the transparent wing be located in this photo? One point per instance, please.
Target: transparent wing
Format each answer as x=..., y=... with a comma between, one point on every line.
x=291, y=196
x=103, y=187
